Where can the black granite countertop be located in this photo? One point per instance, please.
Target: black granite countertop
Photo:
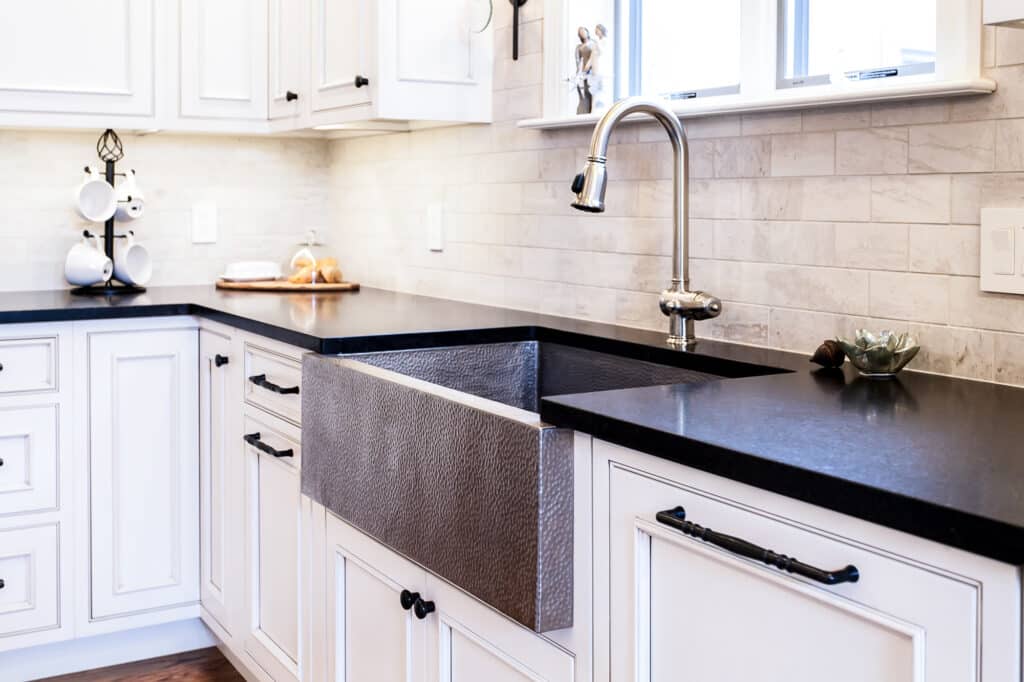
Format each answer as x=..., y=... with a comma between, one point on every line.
x=937, y=457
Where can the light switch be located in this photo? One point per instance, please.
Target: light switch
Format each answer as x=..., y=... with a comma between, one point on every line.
x=204, y=222
x=435, y=227
x=1002, y=250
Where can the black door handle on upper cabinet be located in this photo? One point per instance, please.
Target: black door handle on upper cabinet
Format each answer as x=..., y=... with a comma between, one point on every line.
x=220, y=360
x=261, y=381
x=1, y=583
x=422, y=609
x=360, y=81
x=676, y=518
x=290, y=96
x=253, y=439
x=408, y=599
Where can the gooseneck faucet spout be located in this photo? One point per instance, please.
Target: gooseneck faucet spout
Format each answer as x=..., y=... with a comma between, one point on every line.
x=680, y=304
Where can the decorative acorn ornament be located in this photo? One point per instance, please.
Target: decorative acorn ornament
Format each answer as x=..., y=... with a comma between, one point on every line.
x=829, y=354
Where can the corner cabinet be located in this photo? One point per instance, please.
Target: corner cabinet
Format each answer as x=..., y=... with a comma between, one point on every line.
x=143, y=455
x=677, y=607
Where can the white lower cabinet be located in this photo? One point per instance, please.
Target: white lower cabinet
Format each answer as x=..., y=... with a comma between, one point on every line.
x=682, y=608
x=272, y=465
x=29, y=580
x=221, y=503
x=375, y=629
x=143, y=456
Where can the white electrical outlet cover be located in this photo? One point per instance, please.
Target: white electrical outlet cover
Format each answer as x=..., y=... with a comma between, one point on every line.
x=204, y=222
x=1002, y=250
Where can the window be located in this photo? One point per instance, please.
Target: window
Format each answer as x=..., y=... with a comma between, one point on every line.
x=824, y=41
x=709, y=56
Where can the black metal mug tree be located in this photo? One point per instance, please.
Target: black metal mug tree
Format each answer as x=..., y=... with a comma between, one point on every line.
x=110, y=150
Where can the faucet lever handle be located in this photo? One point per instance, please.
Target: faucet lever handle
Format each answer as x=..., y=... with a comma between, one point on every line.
x=577, y=183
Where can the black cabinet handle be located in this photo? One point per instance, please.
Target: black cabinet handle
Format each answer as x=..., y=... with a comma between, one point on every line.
x=1, y=583
x=290, y=96
x=261, y=381
x=253, y=439
x=220, y=360
x=408, y=599
x=676, y=518
x=1, y=366
x=361, y=81
x=1, y=461
x=422, y=609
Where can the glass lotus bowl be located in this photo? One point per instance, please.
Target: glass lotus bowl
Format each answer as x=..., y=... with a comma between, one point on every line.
x=879, y=355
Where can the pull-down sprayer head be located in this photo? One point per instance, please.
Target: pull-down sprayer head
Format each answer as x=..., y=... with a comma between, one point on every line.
x=681, y=305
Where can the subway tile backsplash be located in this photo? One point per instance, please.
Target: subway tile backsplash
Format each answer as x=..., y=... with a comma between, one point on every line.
x=808, y=224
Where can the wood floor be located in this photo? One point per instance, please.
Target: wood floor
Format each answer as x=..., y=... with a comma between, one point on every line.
x=203, y=665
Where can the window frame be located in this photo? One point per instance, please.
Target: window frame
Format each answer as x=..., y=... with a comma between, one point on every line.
x=957, y=68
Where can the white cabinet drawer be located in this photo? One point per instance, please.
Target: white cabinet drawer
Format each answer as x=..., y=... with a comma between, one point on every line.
x=28, y=459
x=678, y=605
x=28, y=365
x=28, y=569
x=273, y=382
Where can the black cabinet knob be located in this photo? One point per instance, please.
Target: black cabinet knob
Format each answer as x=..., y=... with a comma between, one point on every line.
x=290, y=96
x=422, y=609
x=407, y=599
x=221, y=360
x=361, y=81
x=1, y=583
x=1, y=461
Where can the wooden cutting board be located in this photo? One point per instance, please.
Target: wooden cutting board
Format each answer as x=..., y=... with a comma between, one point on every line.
x=284, y=285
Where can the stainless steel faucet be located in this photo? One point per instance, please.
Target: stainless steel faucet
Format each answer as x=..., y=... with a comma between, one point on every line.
x=681, y=305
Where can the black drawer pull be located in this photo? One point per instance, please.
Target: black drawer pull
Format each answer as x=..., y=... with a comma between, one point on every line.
x=422, y=609
x=253, y=439
x=676, y=518
x=1, y=583
x=291, y=96
x=360, y=81
x=261, y=381
x=408, y=599
x=220, y=360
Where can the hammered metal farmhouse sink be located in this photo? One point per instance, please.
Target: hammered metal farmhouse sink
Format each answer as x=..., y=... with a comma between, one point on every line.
x=440, y=454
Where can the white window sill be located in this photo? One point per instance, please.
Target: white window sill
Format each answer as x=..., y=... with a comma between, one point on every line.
x=793, y=98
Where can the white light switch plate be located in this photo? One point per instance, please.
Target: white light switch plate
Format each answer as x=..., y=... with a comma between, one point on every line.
x=204, y=222
x=435, y=227
x=1002, y=250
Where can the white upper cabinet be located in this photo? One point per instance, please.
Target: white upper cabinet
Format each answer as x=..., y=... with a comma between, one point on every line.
x=289, y=58
x=78, y=57
x=342, y=49
x=223, y=59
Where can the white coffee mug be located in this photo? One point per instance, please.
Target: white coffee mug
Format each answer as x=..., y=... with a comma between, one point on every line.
x=86, y=264
x=132, y=264
x=131, y=202
x=95, y=199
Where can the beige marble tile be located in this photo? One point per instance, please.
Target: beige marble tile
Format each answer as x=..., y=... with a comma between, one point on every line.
x=876, y=246
x=742, y=157
x=905, y=113
x=994, y=190
x=971, y=307
x=739, y=323
x=803, y=154
x=952, y=147
x=1009, y=46
x=906, y=198
x=871, y=152
x=1010, y=145
x=769, y=199
x=837, y=118
x=804, y=331
x=804, y=243
x=717, y=198
x=845, y=198
x=910, y=296
x=641, y=161
x=772, y=122
x=723, y=125
x=1006, y=102
x=797, y=286
x=1009, y=358
x=558, y=164
x=945, y=249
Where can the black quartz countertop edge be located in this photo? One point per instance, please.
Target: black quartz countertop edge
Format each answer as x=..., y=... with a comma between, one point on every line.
x=933, y=456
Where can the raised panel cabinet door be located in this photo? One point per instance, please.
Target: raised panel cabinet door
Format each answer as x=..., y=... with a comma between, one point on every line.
x=469, y=641
x=223, y=59
x=29, y=569
x=681, y=608
x=78, y=56
x=221, y=503
x=143, y=458
x=290, y=53
x=343, y=43
x=370, y=635
x=273, y=548
x=29, y=459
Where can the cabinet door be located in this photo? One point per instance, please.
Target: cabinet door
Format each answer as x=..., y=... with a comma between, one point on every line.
x=272, y=545
x=289, y=57
x=343, y=42
x=369, y=635
x=221, y=503
x=143, y=458
x=468, y=641
x=77, y=56
x=223, y=59
x=681, y=608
